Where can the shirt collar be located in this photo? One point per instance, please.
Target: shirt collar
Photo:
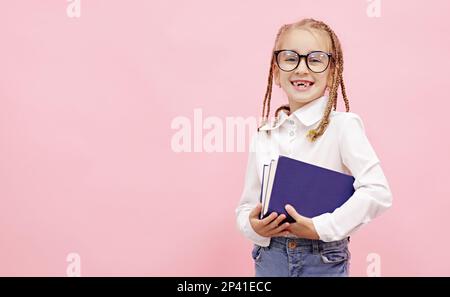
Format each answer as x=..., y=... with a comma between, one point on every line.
x=308, y=114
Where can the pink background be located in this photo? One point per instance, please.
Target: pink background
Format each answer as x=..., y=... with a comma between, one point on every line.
x=86, y=106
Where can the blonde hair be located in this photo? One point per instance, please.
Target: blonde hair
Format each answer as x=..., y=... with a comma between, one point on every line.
x=337, y=66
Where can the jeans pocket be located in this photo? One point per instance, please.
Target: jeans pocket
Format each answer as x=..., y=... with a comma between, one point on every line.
x=333, y=255
x=256, y=252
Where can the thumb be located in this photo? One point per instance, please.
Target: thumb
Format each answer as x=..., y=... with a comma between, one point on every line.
x=255, y=211
x=293, y=213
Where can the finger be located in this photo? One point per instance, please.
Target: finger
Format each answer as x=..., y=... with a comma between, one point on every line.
x=276, y=222
x=256, y=211
x=292, y=212
x=283, y=233
x=269, y=218
x=280, y=229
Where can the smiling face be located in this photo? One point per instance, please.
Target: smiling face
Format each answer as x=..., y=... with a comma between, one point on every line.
x=303, y=85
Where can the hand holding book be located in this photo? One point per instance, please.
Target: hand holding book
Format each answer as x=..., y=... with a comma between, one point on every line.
x=270, y=225
x=303, y=226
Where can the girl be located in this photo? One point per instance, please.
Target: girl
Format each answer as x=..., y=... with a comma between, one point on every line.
x=307, y=63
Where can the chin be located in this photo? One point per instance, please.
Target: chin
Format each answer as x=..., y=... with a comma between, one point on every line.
x=303, y=98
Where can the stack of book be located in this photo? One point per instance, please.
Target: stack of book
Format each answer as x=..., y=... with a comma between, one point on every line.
x=312, y=190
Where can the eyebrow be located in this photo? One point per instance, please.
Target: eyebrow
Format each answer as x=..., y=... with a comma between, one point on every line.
x=295, y=50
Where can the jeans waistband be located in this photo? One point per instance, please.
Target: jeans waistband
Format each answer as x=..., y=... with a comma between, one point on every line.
x=306, y=244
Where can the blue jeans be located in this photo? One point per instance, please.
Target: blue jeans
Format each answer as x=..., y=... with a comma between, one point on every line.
x=302, y=257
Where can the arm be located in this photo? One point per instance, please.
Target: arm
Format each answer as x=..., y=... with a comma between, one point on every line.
x=250, y=198
x=372, y=194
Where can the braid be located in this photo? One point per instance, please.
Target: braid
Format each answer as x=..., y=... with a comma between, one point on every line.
x=338, y=63
x=268, y=95
x=344, y=94
x=282, y=107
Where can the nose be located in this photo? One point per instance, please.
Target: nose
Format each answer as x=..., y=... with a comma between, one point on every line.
x=302, y=68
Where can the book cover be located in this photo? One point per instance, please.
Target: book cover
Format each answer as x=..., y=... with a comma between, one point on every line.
x=312, y=190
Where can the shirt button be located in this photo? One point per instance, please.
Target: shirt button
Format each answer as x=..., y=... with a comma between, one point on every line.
x=292, y=244
x=291, y=133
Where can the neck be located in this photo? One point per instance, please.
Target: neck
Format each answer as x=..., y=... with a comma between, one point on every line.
x=294, y=105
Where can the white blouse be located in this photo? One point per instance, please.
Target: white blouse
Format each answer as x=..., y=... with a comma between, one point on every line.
x=343, y=147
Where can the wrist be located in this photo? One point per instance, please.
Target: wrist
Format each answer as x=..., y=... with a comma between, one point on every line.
x=312, y=228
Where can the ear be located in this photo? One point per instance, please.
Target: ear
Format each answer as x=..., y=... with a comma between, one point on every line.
x=330, y=77
x=276, y=75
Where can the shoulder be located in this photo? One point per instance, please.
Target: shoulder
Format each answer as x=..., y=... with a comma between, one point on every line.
x=346, y=120
x=348, y=126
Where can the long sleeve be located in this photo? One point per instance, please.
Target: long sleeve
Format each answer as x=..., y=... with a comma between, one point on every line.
x=372, y=194
x=249, y=198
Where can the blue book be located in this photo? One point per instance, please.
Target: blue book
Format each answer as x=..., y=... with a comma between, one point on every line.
x=312, y=190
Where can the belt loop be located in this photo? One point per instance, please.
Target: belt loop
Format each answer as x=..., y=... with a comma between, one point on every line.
x=315, y=246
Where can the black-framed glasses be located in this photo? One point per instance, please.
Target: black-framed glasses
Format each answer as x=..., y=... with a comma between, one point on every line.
x=316, y=61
